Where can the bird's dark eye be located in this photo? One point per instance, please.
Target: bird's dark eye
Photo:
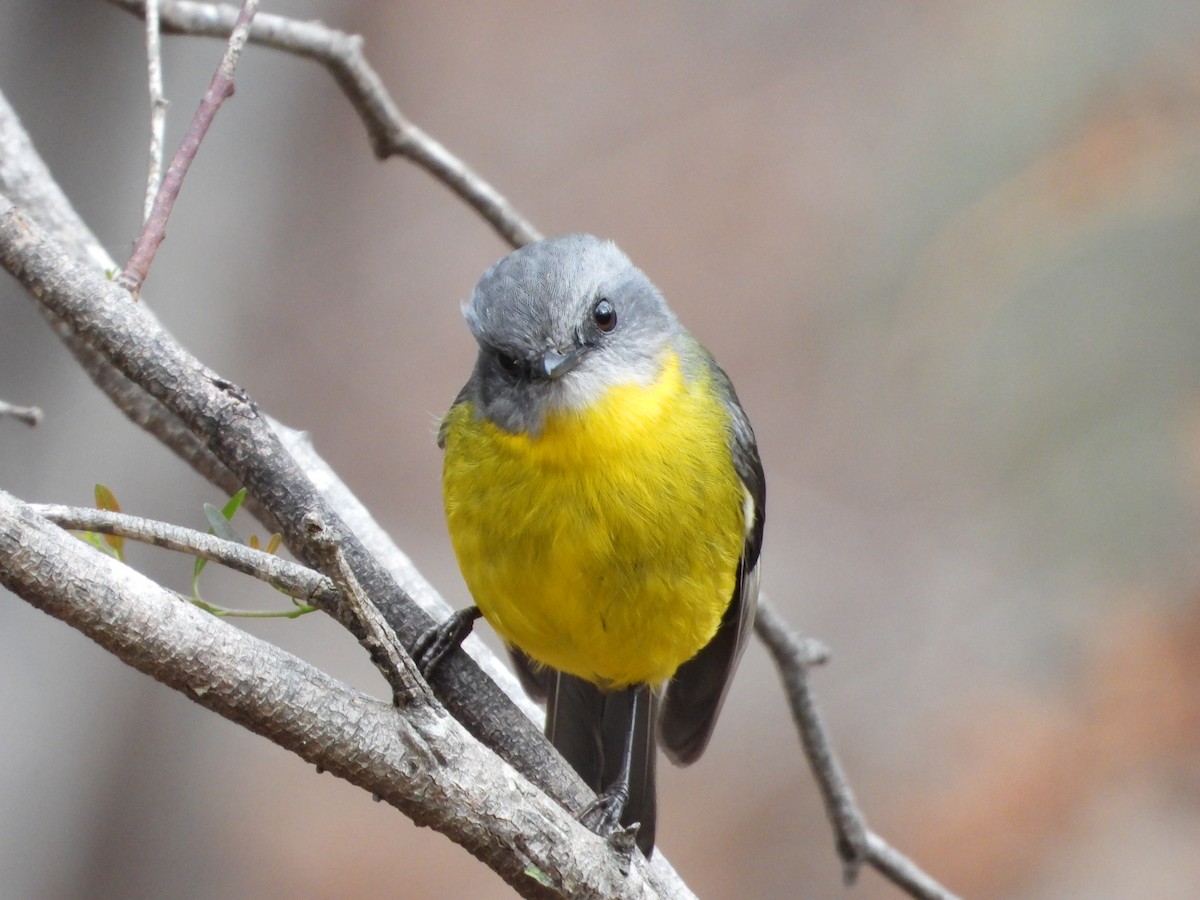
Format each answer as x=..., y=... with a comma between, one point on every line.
x=604, y=314
x=508, y=363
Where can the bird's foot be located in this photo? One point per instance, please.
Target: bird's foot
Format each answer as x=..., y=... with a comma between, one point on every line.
x=603, y=815
x=443, y=638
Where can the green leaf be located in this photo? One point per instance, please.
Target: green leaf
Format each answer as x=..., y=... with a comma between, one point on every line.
x=219, y=525
x=97, y=541
x=538, y=875
x=196, y=570
x=234, y=504
x=107, y=500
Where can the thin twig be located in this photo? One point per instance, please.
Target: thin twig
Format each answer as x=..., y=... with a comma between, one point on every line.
x=292, y=578
x=219, y=90
x=158, y=105
x=793, y=657
x=391, y=134
x=902, y=871
x=30, y=415
x=856, y=843
x=388, y=654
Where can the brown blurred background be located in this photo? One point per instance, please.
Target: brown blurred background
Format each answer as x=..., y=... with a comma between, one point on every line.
x=950, y=255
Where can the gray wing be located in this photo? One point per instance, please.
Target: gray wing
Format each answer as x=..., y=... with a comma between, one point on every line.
x=694, y=696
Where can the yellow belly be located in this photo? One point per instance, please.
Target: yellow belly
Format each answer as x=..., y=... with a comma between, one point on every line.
x=607, y=546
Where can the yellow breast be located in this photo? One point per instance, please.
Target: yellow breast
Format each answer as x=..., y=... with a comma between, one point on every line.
x=606, y=546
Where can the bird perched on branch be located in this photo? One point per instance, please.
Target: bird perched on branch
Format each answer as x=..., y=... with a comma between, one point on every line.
x=605, y=500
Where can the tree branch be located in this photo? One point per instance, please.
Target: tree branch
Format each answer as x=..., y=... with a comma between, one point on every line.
x=220, y=89
x=418, y=759
x=793, y=657
x=390, y=657
x=158, y=105
x=856, y=843
x=391, y=134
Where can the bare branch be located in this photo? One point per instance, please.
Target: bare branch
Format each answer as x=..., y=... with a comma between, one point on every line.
x=793, y=657
x=856, y=844
x=388, y=654
x=418, y=759
x=390, y=132
x=158, y=105
x=903, y=872
x=30, y=415
x=154, y=231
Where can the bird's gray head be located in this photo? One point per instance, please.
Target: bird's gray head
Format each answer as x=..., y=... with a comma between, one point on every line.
x=559, y=322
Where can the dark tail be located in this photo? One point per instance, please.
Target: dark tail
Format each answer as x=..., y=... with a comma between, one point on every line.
x=590, y=728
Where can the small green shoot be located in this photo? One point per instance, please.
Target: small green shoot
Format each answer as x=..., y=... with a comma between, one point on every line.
x=223, y=611
x=219, y=525
x=97, y=541
x=538, y=875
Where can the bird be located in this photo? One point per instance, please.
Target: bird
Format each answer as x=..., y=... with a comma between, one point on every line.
x=605, y=500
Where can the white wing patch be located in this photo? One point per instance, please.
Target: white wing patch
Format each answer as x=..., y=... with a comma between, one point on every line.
x=748, y=511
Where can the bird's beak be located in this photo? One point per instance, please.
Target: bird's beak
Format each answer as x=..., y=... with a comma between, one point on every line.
x=555, y=364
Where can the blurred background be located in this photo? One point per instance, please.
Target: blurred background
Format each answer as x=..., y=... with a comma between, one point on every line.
x=949, y=254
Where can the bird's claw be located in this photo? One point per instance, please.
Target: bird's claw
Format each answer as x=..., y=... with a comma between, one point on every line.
x=442, y=639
